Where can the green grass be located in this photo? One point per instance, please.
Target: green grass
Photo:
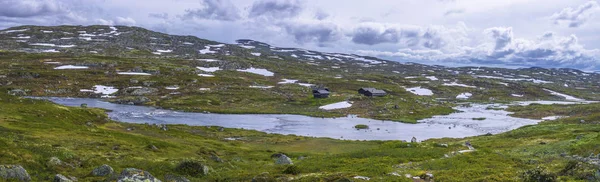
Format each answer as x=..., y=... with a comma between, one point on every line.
x=34, y=131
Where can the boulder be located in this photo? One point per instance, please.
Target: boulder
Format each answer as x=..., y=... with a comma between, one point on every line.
x=136, y=175
x=103, y=170
x=282, y=159
x=17, y=92
x=54, y=161
x=14, y=172
x=192, y=168
x=61, y=178
x=264, y=177
x=144, y=91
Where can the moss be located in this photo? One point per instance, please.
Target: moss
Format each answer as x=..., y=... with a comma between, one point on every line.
x=361, y=127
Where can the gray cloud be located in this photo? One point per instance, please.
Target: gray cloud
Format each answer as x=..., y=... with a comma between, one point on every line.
x=321, y=15
x=276, y=9
x=501, y=35
x=548, y=50
x=313, y=32
x=454, y=11
x=159, y=15
x=432, y=37
x=222, y=10
x=29, y=8
x=576, y=17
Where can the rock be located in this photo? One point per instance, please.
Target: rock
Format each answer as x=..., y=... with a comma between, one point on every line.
x=136, y=175
x=103, y=170
x=14, y=172
x=192, y=168
x=54, y=161
x=282, y=159
x=61, y=178
x=175, y=178
x=133, y=81
x=148, y=83
x=17, y=92
x=216, y=158
x=468, y=144
x=153, y=148
x=263, y=177
x=221, y=129
x=84, y=105
x=144, y=91
x=164, y=127
x=413, y=140
x=301, y=158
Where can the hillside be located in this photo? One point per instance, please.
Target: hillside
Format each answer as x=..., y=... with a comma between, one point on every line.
x=192, y=74
x=135, y=66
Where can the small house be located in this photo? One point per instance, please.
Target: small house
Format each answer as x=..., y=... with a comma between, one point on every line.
x=321, y=93
x=372, y=92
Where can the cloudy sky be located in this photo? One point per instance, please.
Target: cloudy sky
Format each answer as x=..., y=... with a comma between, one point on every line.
x=510, y=33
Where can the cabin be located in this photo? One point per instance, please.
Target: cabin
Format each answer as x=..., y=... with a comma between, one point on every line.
x=372, y=92
x=321, y=93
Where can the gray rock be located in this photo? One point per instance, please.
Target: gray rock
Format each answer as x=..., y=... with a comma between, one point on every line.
x=144, y=91
x=264, y=177
x=175, y=178
x=14, y=172
x=413, y=140
x=54, y=161
x=61, y=178
x=136, y=175
x=17, y=92
x=103, y=170
x=216, y=158
x=282, y=159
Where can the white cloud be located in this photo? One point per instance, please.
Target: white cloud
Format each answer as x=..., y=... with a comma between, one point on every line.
x=433, y=31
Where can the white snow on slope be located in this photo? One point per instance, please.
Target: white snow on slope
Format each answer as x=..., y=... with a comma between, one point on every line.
x=259, y=71
x=419, y=91
x=134, y=73
x=567, y=97
x=458, y=85
x=339, y=105
x=464, y=95
x=209, y=69
x=206, y=50
x=70, y=67
x=432, y=78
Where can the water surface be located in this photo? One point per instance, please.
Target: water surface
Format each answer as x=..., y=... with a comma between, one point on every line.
x=455, y=125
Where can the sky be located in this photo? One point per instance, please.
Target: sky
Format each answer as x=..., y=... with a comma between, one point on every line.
x=505, y=33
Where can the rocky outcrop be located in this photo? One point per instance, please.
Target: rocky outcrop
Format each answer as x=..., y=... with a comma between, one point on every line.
x=103, y=170
x=282, y=159
x=61, y=178
x=136, y=175
x=14, y=172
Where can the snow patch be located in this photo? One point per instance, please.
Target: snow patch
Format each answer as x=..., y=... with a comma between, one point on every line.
x=209, y=69
x=458, y=85
x=339, y=105
x=70, y=67
x=256, y=53
x=265, y=87
x=43, y=44
x=465, y=95
x=259, y=71
x=134, y=73
x=172, y=87
x=206, y=50
x=420, y=91
x=432, y=78
x=567, y=97
x=552, y=117
x=206, y=75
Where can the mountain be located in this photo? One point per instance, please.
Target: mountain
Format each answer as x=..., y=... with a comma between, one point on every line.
x=193, y=74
